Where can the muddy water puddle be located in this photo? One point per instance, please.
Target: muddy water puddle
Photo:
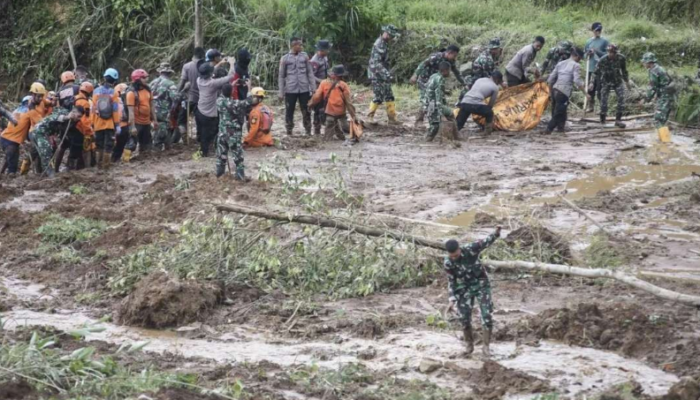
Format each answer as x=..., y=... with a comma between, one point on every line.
x=659, y=164
x=33, y=201
x=576, y=370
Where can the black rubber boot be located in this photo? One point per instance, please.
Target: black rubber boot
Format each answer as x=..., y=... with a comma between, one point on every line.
x=603, y=118
x=618, y=122
x=220, y=170
x=468, y=340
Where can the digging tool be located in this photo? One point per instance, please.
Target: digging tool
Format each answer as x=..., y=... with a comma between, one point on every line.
x=585, y=99
x=53, y=158
x=187, y=141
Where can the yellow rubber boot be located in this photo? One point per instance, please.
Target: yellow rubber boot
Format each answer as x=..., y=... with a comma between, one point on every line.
x=372, y=110
x=391, y=113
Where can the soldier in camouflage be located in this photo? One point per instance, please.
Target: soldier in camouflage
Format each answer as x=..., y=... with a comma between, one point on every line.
x=164, y=99
x=610, y=74
x=434, y=101
x=659, y=82
x=378, y=72
x=54, y=124
x=486, y=63
x=468, y=281
x=429, y=67
x=230, y=138
x=556, y=54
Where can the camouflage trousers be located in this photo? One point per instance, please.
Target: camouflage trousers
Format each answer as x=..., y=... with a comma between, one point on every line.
x=382, y=91
x=435, y=114
x=605, y=95
x=663, y=109
x=465, y=302
x=43, y=147
x=422, y=95
x=233, y=143
x=336, y=126
x=163, y=135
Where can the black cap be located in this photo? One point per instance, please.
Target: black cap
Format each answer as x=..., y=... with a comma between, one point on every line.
x=597, y=26
x=323, y=45
x=339, y=70
x=206, y=69
x=452, y=245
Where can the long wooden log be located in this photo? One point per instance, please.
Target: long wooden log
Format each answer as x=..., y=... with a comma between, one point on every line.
x=515, y=265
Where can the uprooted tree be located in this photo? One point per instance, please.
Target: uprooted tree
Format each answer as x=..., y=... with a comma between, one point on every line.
x=516, y=265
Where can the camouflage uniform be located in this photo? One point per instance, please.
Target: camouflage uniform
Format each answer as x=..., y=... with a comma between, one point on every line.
x=53, y=124
x=378, y=72
x=555, y=55
x=164, y=96
x=427, y=68
x=435, y=104
x=482, y=67
x=468, y=281
x=230, y=137
x=659, y=81
x=611, y=74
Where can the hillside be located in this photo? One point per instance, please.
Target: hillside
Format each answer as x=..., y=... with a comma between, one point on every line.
x=135, y=33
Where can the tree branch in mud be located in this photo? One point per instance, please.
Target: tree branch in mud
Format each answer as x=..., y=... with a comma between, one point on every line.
x=583, y=213
x=516, y=265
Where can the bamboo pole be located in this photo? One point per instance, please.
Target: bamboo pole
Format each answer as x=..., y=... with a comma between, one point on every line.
x=72, y=53
x=439, y=245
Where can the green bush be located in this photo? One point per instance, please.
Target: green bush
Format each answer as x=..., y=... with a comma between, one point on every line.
x=318, y=262
x=637, y=30
x=62, y=231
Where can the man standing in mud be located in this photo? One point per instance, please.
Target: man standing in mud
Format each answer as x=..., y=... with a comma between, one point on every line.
x=378, y=72
x=431, y=66
x=610, y=74
x=468, y=281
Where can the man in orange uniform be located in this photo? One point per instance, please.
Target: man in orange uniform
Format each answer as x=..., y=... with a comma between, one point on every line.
x=84, y=125
x=139, y=102
x=259, y=121
x=336, y=94
x=16, y=134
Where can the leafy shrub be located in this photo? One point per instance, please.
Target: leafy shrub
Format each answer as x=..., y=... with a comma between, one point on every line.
x=337, y=265
x=61, y=230
x=637, y=30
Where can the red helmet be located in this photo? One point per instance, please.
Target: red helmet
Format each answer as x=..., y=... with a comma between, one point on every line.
x=138, y=74
x=87, y=87
x=67, y=77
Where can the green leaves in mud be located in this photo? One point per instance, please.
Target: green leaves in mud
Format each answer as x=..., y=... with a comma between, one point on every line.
x=302, y=261
x=60, y=230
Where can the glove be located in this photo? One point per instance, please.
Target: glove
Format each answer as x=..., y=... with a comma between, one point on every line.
x=118, y=130
x=133, y=132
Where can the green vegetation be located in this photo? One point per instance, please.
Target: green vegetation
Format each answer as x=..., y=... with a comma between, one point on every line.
x=81, y=373
x=78, y=189
x=130, y=33
x=356, y=381
x=603, y=254
x=310, y=261
x=60, y=230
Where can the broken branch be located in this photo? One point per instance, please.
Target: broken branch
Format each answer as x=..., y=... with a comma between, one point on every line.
x=583, y=213
x=516, y=265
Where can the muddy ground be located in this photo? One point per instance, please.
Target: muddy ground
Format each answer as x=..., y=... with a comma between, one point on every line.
x=570, y=336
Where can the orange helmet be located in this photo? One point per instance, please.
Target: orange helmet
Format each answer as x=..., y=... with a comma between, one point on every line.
x=121, y=88
x=87, y=87
x=67, y=77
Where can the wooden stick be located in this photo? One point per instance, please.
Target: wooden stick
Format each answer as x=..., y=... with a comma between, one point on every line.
x=72, y=53
x=583, y=213
x=627, y=118
x=516, y=265
x=585, y=100
x=331, y=223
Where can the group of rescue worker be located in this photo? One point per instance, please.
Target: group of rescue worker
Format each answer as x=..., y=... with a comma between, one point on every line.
x=99, y=124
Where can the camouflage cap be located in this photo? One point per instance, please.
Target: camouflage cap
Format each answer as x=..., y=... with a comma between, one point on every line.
x=566, y=45
x=649, y=57
x=165, y=67
x=391, y=29
x=612, y=47
x=495, y=43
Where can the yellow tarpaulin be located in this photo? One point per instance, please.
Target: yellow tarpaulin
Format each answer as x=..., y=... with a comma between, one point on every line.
x=519, y=108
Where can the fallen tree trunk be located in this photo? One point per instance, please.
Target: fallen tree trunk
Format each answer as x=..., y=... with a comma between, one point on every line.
x=516, y=265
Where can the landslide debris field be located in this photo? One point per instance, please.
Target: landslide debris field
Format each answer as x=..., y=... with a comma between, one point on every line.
x=131, y=283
